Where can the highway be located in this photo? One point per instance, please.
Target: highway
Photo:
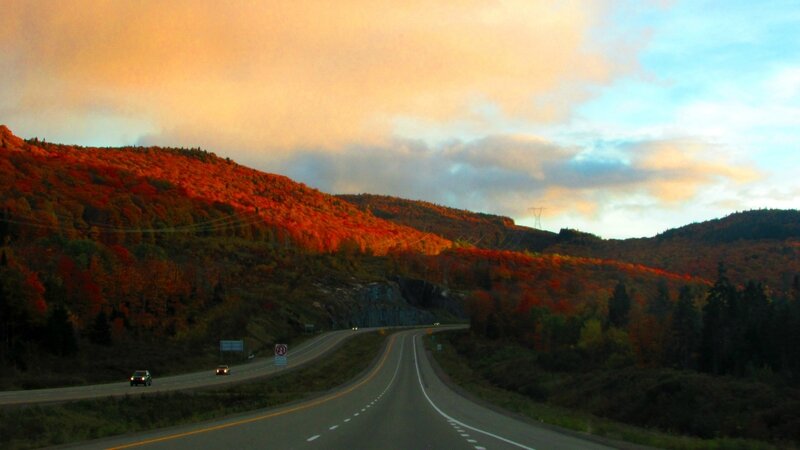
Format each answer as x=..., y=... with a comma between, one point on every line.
x=303, y=353
x=400, y=403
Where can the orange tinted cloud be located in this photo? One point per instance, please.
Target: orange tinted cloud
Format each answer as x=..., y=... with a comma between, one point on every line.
x=288, y=74
x=683, y=168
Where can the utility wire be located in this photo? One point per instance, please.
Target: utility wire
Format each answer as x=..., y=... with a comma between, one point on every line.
x=221, y=223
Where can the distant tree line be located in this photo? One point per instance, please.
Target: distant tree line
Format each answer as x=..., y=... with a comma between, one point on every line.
x=725, y=330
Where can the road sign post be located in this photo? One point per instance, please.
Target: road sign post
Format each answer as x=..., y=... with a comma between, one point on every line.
x=280, y=354
x=231, y=346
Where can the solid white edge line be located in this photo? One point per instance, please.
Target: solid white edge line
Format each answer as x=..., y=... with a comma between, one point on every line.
x=443, y=414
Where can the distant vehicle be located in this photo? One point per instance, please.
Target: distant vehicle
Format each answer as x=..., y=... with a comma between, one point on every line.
x=223, y=370
x=355, y=328
x=142, y=377
x=436, y=324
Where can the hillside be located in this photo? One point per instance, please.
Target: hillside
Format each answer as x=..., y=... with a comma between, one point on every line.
x=751, y=244
x=98, y=177
x=105, y=249
x=766, y=224
x=760, y=245
x=119, y=258
x=457, y=225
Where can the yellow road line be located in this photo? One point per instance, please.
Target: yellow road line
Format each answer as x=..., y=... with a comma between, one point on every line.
x=270, y=415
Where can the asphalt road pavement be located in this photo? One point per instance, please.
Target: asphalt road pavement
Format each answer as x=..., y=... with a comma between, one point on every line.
x=400, y=403
x=303, y=353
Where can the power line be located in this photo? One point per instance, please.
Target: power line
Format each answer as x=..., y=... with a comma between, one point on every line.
x=232, y=221
x=221, y=223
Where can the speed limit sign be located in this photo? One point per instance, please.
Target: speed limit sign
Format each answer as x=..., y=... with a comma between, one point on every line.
x=281, y=349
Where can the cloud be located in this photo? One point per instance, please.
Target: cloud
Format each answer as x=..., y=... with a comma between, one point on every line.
x=510, y=174
x=295, y=74
x=679, y=169
x=336, y=96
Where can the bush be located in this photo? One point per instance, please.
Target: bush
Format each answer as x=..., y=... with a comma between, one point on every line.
x=674, y=401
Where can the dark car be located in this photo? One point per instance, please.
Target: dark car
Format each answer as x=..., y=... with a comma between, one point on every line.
x=141, y=377
x=223, y=370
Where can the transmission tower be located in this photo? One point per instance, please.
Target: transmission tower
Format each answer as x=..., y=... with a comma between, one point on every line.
x=537, y=215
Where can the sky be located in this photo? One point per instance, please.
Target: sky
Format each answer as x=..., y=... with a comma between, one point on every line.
x=618, y=118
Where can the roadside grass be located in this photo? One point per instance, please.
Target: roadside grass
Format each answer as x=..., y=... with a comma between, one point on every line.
x=462, y=374
x=107, y=364
x=26, y=427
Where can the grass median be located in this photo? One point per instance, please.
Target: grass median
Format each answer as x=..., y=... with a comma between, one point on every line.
x=25, y=427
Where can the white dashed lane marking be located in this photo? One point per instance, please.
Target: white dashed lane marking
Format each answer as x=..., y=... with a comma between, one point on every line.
x=364, y=409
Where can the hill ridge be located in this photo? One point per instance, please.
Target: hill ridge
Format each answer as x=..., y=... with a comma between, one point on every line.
x=278, y=200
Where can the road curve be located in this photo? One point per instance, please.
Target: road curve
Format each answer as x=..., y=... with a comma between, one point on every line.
x=303, y=353
x=399, y=404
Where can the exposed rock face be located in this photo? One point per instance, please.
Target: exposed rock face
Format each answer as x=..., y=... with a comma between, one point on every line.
x=381, y=304
x=423, y=294
x=401, y=302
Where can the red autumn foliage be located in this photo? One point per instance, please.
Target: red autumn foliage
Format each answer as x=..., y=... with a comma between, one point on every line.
x=562, y=284
x=116, y=183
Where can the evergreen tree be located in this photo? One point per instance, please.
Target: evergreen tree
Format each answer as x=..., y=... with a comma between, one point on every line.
x=791, y=334
x=684, y=332
x=660, y=306
x=16, y=327
x=59, y=337
x=720, y=308
x=619, y=307
x=100, y=332
x=493, y=327
x=218, y=295
x=4, y=231
x=4, y=323
x=752, y=344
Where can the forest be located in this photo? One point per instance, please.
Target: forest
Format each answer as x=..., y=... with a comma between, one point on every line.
x=108, y=248
x=105, y=252
x=681, y=356
x=759, y=245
